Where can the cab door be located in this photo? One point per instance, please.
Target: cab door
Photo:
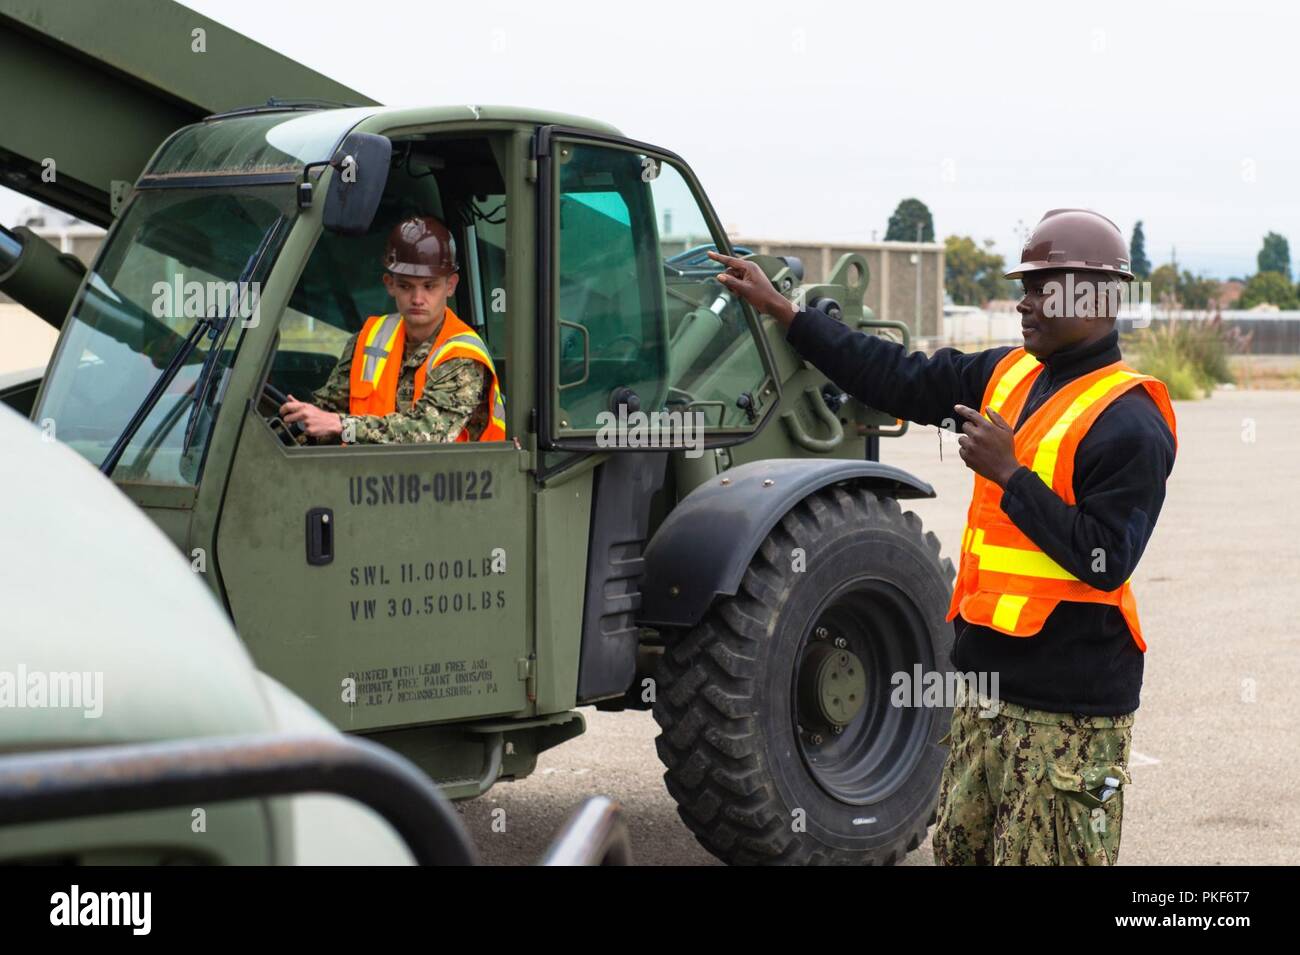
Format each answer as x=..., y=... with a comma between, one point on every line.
x=381, y=584
x=384, y=584
x=642, y=348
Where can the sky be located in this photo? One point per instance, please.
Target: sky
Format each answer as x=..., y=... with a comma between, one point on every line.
x=810, y=121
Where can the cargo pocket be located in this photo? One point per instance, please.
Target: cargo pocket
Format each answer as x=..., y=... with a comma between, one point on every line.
x=1088, y=811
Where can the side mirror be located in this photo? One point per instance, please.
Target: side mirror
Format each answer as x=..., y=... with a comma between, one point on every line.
x=360, y=174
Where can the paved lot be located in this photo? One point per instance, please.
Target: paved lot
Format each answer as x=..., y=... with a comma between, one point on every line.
x=1217, y=740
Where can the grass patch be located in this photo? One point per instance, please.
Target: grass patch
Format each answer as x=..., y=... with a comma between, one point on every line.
x=1189, y=355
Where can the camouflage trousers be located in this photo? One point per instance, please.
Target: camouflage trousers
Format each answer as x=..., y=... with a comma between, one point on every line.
x=1031, y=787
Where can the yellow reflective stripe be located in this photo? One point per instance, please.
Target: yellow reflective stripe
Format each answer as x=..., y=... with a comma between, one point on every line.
x=1049, y=448
x=470, y=345
x=368, y=360
x=1014, y=376
x=388, y=353
x=1007, y=611
x=469, y=337
x=451, y=351
x=451, y=346
x=373, y=369
x=1015, y=560
x=466, y=339
x=1022, y=563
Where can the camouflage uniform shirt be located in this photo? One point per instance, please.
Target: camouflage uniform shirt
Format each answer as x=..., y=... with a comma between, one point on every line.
x=454, y=396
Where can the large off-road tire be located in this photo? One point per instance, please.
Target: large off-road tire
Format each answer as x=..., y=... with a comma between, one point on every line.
x=845, y=592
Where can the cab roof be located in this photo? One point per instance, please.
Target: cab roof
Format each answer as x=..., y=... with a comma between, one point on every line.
x=101, y=95
x=393, y=118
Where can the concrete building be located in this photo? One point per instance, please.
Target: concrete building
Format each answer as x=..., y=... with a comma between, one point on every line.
x=905, y=283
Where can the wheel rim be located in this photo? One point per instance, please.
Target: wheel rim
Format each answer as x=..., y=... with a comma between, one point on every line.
x=858, y=750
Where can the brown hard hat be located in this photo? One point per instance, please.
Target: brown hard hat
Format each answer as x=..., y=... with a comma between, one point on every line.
x=1077, y=239
x=421, y=247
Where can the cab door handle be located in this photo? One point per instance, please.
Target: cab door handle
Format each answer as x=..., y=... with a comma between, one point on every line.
x=320, y=536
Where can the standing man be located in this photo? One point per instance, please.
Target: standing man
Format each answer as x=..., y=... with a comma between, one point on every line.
x=1070, y=455
x=420, y=374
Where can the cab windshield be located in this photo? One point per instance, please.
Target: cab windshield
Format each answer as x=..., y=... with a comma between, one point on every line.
x=175, y=258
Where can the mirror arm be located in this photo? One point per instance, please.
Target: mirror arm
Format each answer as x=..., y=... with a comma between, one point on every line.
x=304, y=187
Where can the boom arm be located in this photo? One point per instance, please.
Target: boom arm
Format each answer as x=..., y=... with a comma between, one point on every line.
x=92, y=89
x=102, y=85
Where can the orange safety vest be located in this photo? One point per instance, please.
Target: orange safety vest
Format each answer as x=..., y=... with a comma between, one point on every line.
x=373, y=381
x=1006, y=582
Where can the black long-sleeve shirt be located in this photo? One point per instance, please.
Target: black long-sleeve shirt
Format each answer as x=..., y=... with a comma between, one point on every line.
x=1084, y=660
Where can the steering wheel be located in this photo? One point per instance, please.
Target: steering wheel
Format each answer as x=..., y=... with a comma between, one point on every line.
x=290, y=434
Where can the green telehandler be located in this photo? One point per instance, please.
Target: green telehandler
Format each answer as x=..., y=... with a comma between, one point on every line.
x=684, y=517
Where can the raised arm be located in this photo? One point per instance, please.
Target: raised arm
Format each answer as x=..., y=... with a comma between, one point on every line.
x=879, y=373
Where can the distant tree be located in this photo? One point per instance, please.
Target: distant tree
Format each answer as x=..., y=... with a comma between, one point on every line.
x=1275, y=255
x=973, y=275
x=902, y=224
x=1164, y=285
x=1137, y=253
x=1268, y=288
x=1197, y=291
x=1174, y=289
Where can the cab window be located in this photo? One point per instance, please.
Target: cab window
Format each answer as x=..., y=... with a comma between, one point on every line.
x=457, y=180
x=638, y=309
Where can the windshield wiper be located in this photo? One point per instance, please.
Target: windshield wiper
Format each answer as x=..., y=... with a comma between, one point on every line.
x=212, y=325
x=204, y=382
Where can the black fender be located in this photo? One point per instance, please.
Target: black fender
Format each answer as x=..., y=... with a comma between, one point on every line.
x=701, y=550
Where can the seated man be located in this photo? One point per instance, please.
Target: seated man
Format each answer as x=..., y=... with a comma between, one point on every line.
x=420, y=374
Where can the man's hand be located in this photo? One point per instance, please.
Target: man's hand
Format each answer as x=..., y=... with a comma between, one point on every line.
x=988, y=446
x=749, y=282
x=317, y=423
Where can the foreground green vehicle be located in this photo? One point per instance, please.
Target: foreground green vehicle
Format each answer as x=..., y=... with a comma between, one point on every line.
x=755, y=582
x=138, y=731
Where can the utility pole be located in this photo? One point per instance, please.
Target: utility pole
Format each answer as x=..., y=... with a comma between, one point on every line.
x=919, y=263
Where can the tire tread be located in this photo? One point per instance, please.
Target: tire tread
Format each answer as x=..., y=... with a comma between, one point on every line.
x=705, y=703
